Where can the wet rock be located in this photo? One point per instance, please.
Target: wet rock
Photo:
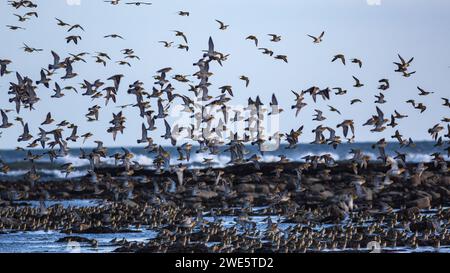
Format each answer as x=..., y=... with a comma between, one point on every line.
x=8, y=221
x=191, y=200
x=422, y=226
x=246, y=187
x=4, y=203
x=424, y=194
x=421, y=203
x=76, y=239
x=335, y=215
x=130, y=203
x=415, y=181
x=326, y=194
x=205, y=194
x=445, y=180
x=412, y=213
x=443, y=191
x=427, y=175
x=262, y=189
x=99, y=230
x=317, y=188
x=435, y=195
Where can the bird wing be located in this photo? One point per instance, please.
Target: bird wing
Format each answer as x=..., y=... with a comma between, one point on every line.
x=380, y=114
x=55, y=58
x=345, y=127
x=210, y=45
x=352, y=128
x=274, y=100
x=4, y=117
x=401, y=59
x=144, y=131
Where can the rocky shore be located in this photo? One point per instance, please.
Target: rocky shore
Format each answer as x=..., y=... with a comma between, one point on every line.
x=264, y=207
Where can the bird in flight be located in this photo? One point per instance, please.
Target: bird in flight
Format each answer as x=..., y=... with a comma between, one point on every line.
x=138, y=3
x=29, y=49
x=113, y=36
x=183, y=13
x=166, y=43
x=222, y=25
x=275, y=38
x=252, y=37
x=246, y=79
x=340, y=57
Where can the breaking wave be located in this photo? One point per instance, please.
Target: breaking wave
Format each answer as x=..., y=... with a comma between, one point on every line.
x=51, y=171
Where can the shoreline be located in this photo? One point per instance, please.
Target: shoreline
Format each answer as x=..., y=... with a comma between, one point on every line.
x=247, y=179
x=244, y=209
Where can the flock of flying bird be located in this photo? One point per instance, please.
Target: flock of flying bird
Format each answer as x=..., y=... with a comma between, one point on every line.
x=23, y=93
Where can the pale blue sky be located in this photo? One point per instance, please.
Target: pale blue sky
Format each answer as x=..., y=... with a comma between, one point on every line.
x=373, y=33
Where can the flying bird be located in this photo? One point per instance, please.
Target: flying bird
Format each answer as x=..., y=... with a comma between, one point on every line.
x=222, y=25
x=139, y=3
x=253, y=37
x=275, y=38
x=357, y=82
x=246, y=79
x=340, y=57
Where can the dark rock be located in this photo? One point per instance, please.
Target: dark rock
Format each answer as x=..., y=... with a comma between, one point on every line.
x=205, y=194
x=421, y=203
x=77, y=239
x=426, y=225
x=262, y=189
x=245, y=187
x=99, y=230
x=317, y=188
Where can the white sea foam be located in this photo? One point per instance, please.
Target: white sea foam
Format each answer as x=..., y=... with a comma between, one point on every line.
x=46, y=172
x=75, y=160
x=270, y=158
x=59, y=174
x=197, y=160
x=14, y=173
x=418, y=157
x=143, y=160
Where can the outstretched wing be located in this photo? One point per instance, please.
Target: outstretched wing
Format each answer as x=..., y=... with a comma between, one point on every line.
x=380, y=114
x=210, y=45
x=4, y=117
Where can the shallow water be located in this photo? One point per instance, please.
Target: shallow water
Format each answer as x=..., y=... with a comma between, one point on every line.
x=45, y=242
x=68, y=203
